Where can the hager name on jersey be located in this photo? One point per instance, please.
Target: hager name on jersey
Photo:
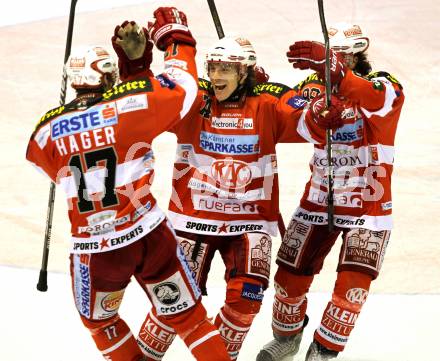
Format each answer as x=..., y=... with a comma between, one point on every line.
x=86, y=140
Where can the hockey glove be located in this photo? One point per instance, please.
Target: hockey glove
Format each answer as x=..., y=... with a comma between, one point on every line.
x=330, y=118
x=260, y=75
x=170, y=27
x=133, y=47
x=311, y=55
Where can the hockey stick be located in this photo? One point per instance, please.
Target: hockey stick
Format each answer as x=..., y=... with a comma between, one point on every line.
x=221, y=34
x=42, y=280
x=216, y=19
x=328, y=91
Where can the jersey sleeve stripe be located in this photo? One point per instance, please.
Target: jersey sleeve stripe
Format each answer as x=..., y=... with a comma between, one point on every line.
x=302, y=128
x=188, y=83
x=390, y=95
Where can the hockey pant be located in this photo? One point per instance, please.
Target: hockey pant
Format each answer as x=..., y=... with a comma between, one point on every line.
x=301, y=256
x=247, y=260
x=158, y=264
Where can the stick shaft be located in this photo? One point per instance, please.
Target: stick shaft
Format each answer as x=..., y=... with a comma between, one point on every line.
x=42, y=280
x=216, y=19
x=328, y=91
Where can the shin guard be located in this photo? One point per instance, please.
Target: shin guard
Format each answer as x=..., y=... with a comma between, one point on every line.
x=155, y=337
x=200, y=336
x=243, y=301
x=114, y=339
x=233, y=327
x=205, y=343
x=341, y=313
x=290, y=302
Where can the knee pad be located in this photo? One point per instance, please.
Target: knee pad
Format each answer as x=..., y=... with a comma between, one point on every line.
x=186, y=321
x=200, y=335
x=244, y=295
x=289, y=285
x=351, y=290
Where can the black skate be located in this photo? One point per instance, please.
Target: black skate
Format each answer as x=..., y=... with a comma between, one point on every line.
x=317, y=352
x=280, y=347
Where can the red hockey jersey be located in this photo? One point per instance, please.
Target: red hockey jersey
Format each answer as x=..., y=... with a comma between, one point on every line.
x=225, y=174
x=363, y=154
x=99, y=152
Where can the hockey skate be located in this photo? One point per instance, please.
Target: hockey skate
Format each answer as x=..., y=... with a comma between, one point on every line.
x=280, y=347
x=317, y=352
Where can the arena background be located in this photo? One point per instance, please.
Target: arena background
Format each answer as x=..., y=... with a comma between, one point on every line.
x=401, y=316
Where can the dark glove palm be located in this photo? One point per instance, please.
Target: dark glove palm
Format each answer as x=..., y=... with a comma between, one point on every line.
x=133, y=47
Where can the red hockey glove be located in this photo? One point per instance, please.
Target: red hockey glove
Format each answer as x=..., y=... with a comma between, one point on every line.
x=311, y=55
x=260, y=75
x=170, y=27
x=330, y=118
x=134, y=49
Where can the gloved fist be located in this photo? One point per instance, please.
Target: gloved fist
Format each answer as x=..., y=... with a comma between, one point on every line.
x=327, y=118
x=260, y=75
x=170, y=27
x=311, y=55
x=133, y=47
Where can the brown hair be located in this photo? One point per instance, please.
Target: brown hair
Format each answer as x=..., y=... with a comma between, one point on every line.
x=363, y=66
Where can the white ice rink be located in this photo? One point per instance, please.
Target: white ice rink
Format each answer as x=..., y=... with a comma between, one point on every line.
x=45, y=326
x=399, y=322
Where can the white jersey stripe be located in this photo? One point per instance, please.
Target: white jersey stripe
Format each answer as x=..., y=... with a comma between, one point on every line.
x=390, y=95
x=188, y=83
x=302, y=128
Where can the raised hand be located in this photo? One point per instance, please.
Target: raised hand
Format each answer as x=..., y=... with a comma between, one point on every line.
x=311, y=55
x=170, y=26
x=131, y=39
x=134, y=49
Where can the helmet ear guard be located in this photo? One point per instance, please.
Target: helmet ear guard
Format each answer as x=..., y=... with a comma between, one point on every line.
x=87, y=67
x=348, y=39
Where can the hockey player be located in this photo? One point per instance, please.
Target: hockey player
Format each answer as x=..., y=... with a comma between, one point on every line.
x=97, y=148
x=225, y=183
x=363, y=153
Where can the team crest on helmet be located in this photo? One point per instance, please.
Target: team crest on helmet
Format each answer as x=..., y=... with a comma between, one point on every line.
x=348, y=38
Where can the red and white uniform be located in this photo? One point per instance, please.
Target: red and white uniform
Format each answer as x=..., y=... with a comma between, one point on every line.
x=99, y=151
x=100, y=154
x=363, y=154
x=225, y=193
x=226, y=177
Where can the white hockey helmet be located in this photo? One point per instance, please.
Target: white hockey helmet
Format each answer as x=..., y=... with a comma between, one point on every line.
x=348, y=38
x=87, y=66
x=232, y=50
